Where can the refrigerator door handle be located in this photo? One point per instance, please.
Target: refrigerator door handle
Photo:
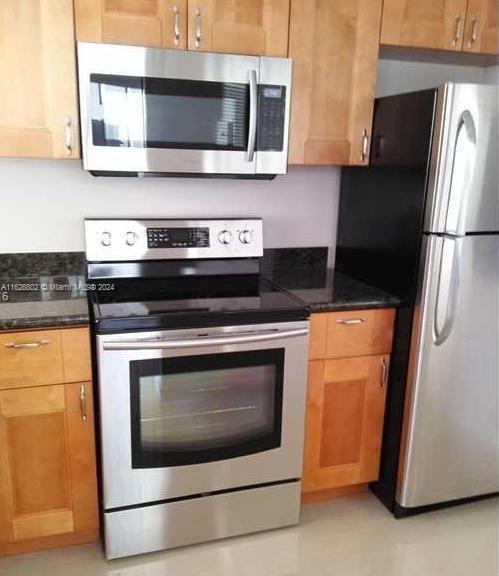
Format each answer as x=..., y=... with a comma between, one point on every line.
x=447, y=289
x=461, y=175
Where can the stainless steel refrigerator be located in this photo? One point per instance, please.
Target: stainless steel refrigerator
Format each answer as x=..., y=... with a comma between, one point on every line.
x=423, y=222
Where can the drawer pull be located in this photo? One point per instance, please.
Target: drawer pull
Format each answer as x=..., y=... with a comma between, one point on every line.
x=352, y=321
x=83, y=403
x=27, y=344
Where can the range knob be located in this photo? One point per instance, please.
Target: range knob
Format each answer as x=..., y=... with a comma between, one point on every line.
x=131, y=237
x=245, y=236
x=225, y=237
x=106, y=239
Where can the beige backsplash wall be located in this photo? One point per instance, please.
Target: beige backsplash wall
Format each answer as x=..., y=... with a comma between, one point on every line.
x=44, y=202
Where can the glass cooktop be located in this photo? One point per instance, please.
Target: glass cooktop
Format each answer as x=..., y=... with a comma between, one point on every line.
x=145, y=304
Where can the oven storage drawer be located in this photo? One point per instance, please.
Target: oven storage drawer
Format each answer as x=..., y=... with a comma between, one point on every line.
x=160, y=526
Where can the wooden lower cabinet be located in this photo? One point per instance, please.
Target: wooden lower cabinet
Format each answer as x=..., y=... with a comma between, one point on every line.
x=48, y=482
x=345, y=412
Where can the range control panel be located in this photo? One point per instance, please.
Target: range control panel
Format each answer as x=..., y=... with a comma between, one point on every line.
x=148, y=239
x=178, y=237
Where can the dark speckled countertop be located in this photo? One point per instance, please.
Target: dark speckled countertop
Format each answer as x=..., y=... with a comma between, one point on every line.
x=341, y=292
x=304, y=273
x=40, y=290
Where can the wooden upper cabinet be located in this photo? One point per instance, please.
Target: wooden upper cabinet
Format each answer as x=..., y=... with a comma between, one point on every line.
x=48, y=485
x=38, y=111
x=436, y=24
x=481, y=32
x=258, y=27
x=334, y=46
x=153, y=23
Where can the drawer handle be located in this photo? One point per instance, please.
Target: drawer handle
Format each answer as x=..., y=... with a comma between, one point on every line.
x=83, y=403
x=352, y=321
x=27, y=344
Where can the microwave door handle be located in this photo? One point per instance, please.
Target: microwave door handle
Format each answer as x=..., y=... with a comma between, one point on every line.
x=202, y=342
x=250, y=152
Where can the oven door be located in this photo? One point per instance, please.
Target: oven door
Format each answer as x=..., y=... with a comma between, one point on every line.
x=153, y=110
x=187, y=412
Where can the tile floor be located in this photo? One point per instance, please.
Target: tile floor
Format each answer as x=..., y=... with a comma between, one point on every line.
x=346, y=537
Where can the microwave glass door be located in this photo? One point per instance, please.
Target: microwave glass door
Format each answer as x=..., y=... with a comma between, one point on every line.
x=194, y=409
x=147, y=112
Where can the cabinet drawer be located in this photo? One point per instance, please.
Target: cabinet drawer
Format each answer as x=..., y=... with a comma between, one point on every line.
x=351, y=333
x=359, y=333
x=30, y=359
x=42, y=357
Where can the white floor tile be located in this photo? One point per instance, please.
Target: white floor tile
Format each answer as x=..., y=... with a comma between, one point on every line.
x=348, y=537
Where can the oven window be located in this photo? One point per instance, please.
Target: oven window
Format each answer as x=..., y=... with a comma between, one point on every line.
x=135, y=112
x=193, y=409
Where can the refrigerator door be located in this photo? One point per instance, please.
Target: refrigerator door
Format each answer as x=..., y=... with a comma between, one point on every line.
x=462, y=184
x=449, y=441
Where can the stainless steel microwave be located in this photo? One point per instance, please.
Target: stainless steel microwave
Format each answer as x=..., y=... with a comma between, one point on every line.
x=149, y=111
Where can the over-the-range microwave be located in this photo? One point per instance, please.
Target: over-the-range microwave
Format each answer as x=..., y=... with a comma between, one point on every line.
x=149, y=111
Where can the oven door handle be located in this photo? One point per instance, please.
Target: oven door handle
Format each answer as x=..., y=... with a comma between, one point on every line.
x=201, y=342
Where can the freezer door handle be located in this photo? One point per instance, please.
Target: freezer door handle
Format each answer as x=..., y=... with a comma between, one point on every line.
x=447, y=289
x=461, y=175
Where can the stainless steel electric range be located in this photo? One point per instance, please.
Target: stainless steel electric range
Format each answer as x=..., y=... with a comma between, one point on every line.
x=202, y=381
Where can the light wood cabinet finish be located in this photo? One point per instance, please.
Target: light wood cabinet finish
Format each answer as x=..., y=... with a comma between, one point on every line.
x=458, y=25
x=481, y=33
x=47, y=465
x=334, y=46
x=345, y=411
x=152, y=23
x=38, y=111
x=349, y=359
x=43, y=357
x=258, y=27
x=351, y=333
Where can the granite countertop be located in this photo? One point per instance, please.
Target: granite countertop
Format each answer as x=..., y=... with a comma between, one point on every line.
x=304, y=273
x=341, y=292
x=42, y=290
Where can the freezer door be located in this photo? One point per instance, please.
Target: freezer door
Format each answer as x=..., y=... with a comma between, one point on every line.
x=449, y=443
x=462, y=184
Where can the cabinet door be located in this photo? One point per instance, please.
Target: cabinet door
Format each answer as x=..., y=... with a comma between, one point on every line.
x=334, y=46
x=154, y=23
x=255, y=27
x=481, y=32
x=437, y=24
x=37, y=79
x=47, y=463
x=345, y=411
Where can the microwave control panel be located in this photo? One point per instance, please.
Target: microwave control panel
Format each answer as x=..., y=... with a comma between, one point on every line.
x=271, y=117
x=178, y=237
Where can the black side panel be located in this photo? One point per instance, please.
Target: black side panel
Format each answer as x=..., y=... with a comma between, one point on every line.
x=382, y=207
x=379, y=237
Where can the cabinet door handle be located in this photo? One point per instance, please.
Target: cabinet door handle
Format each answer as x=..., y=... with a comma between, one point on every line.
x=83, y=403
x=176, y=26
x=384, y=372
x=67, y=136
x=474, y=32
x=199, y=28
x=365, y=145
x=457, y=30
x=27, y=345
x=351, y=321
